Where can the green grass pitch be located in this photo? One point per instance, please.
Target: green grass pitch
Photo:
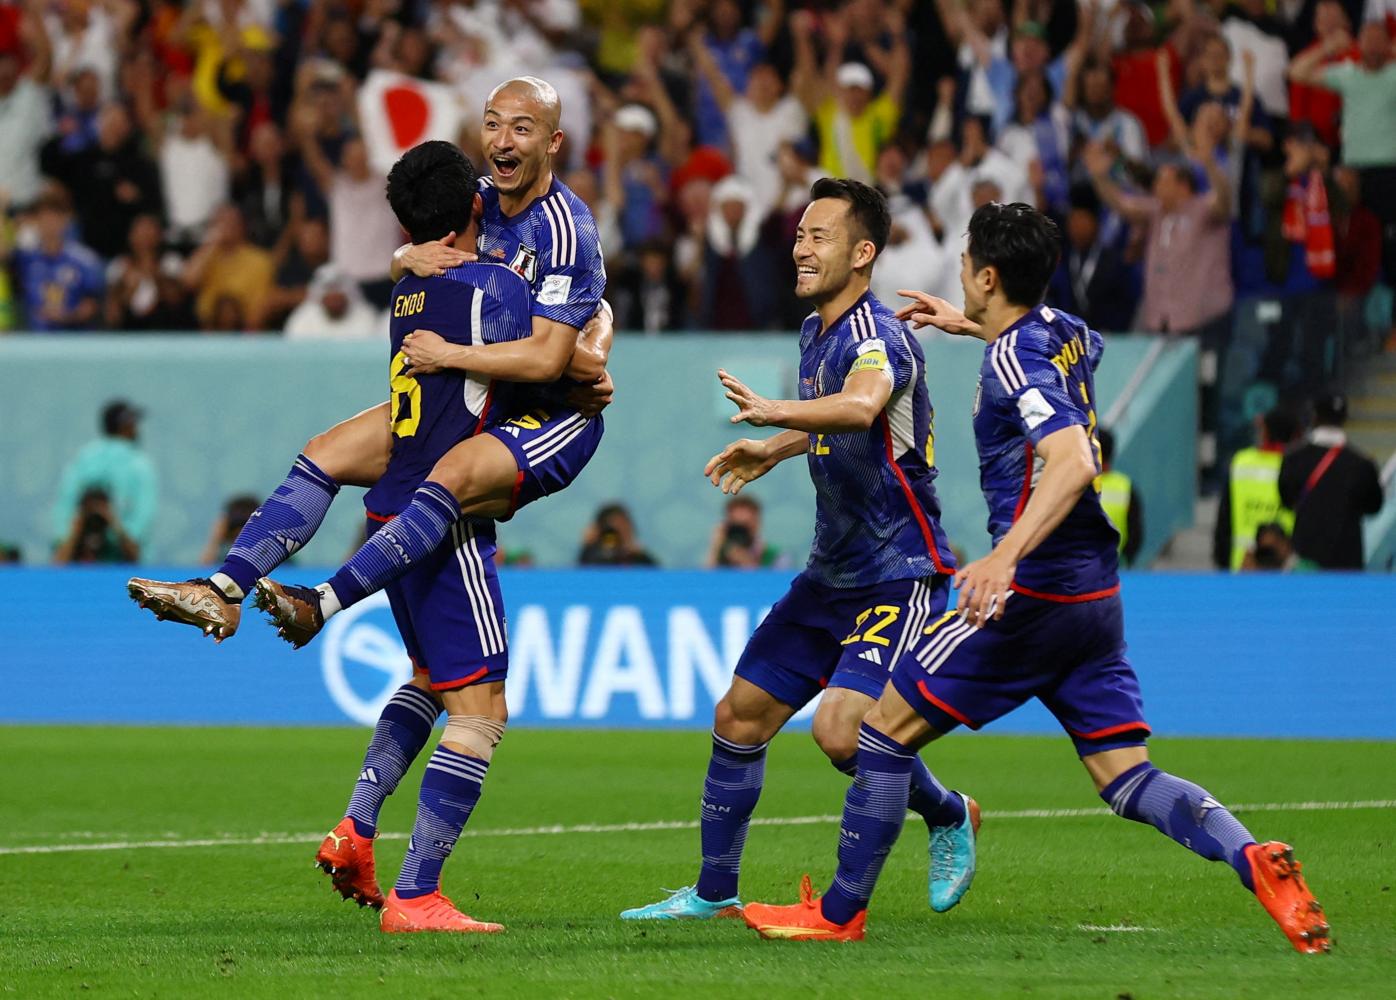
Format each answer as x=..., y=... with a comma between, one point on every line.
x=1045, y=918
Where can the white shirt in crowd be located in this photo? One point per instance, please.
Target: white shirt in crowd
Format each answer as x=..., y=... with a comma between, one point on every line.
x=952, y=196
x=913, y=257
x=363, y=231
x=195, y=178
x=757, y=136
x=1271, y=61
x=312, y=321
x=24, y=125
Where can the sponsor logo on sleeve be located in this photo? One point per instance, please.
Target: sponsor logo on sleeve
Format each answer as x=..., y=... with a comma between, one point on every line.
x=555, y=290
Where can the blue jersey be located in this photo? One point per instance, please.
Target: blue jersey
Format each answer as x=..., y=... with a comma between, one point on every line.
x=469, y=304
x=1037, y=378
x=555, y=246
x=877, y=517
x=58, y=281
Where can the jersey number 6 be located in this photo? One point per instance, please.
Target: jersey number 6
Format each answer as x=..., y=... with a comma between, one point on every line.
x=406, y=398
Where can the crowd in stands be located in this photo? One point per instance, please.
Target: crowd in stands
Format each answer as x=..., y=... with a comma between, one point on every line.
x=204, y=164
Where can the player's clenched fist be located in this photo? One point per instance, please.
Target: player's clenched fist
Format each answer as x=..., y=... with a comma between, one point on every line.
x=740, y=463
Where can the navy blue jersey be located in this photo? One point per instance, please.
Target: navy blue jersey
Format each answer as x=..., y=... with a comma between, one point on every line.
x=469, y=304
x=877, y=517
x=554, y=244
x=1037, y=378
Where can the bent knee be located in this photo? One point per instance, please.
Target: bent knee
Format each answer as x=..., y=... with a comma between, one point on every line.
x=731, y=723
x=839, y=742
x=475, y=735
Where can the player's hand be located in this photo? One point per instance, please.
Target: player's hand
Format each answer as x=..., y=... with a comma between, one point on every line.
x=984, y=586
x=426, y=351
x=739, y=463
x=754, y=409
x=590, y=400
x=427, y=260
x=931, y=310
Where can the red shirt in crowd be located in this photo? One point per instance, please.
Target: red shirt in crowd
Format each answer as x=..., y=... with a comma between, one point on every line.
x=1136, y=88
x=1317, y=105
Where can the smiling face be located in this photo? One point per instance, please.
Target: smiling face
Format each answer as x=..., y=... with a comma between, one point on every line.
x=826, y=250
x=519, y=135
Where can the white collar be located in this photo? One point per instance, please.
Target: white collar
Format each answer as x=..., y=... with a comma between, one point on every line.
x=1328, y=437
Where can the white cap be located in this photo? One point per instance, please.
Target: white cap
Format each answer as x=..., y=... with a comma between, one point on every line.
x=732, y=188
x=855, y=74
x=637, y=118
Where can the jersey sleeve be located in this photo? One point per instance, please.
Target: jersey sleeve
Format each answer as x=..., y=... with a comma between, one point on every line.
x=571, y=273
x=507, y=309
x=886, y=351
x=1034, y=393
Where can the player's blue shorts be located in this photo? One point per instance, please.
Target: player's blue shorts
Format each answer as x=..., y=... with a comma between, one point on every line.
x=551, y=448
x=818, y=636
x=1069, y=656
x=450, y=611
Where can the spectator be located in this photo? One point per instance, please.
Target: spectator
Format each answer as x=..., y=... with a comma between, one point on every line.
x=1214, y=66
x=266, y=191
x=25, y=115
x=235, y=514
x=194, y=152
x=230, y=277
x=1120, y=500
x=734, y=52
x=1188, y=243
x=309, y=249
x=629, y=145
x=334, y=309
x=87, y=37
x=1273, y=552
x=1134, y=65
x=1251, y=498
x=759, y=120
x=79, y=106
x=363, y=231
x=1317, y=105
x=60, y=280
x=112, y=181
x=737, y=542
x=952, y=197
x=854, y=119
x=144, y=286
x=1357, y=238
x=649, y=296
x=1259, y=37
x=107, y=494
x=1368, y=90
x=1090, y=96
x=979, y=31
x=913, y=257
x=737, y=276
x=1092, y=279
x=1037, y=138
x=1330, y=486
x=610, y=540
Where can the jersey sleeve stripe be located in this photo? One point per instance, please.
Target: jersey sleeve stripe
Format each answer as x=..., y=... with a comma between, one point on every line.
x=1011, y=353
x=477, y=300
x=994, y=359
x=552, y=228
x=569, y=231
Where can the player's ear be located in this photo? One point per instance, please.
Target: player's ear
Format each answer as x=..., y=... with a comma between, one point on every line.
x=864, y=254
x=477, y=207
x=555, y=143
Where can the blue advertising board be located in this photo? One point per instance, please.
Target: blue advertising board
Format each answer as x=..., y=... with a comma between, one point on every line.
x=1308, y=656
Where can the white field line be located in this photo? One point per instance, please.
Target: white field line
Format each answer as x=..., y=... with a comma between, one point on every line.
x=260, y=839
x=1115, y=928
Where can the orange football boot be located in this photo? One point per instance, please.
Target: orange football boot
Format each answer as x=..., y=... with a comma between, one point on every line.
x=433, y=912
x=347, y=859
x=802, y=921
x=1281, y=889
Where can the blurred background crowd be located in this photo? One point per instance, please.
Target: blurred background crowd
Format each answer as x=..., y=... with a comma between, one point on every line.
x=217, y=164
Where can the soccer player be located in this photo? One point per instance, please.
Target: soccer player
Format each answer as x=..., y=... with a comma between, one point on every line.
x=1040, y=616
x=536, y=225
x=448, y=609
x=879, y=567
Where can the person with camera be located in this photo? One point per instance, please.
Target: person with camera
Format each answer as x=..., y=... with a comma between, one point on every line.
x=737, y=541
x=107, y=497
x=610, y=540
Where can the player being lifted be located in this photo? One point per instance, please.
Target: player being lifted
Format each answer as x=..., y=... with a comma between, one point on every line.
x=879, y=567
x=536, y=225
x=1040, y=616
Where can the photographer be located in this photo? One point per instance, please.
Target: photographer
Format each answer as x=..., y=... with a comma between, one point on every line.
x=610, y=540
x=96, y=536
x=737, y=541
x=111, y=481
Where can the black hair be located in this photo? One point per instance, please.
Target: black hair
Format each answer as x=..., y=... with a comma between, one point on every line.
x=1023, y=80
x=867, y=207
x=1107, y=444
x=432, y=191
x=1330, y=410
x=1281, y=425
x=1021, y=243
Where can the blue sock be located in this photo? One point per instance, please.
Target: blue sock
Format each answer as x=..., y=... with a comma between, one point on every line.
x=392, y=549
x=873, y=813
x=736, y=772
x=402, y=731
x=929, y=798
x=284, y=523
x=450, y=789
x=1183, y=811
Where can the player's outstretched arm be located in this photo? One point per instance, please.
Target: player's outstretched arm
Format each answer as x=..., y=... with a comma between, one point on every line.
x=853, y=409
x=541, y=357
x=746, y=460
x=1068, y=469
x=930, y=310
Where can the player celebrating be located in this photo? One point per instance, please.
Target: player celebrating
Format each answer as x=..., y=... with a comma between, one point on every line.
x=535, y=224
x=878, y=569
x=1040, y=616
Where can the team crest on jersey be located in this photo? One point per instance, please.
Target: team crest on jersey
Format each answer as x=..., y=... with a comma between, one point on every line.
x=978, y=394
x=819, y=380
x=525, y=262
